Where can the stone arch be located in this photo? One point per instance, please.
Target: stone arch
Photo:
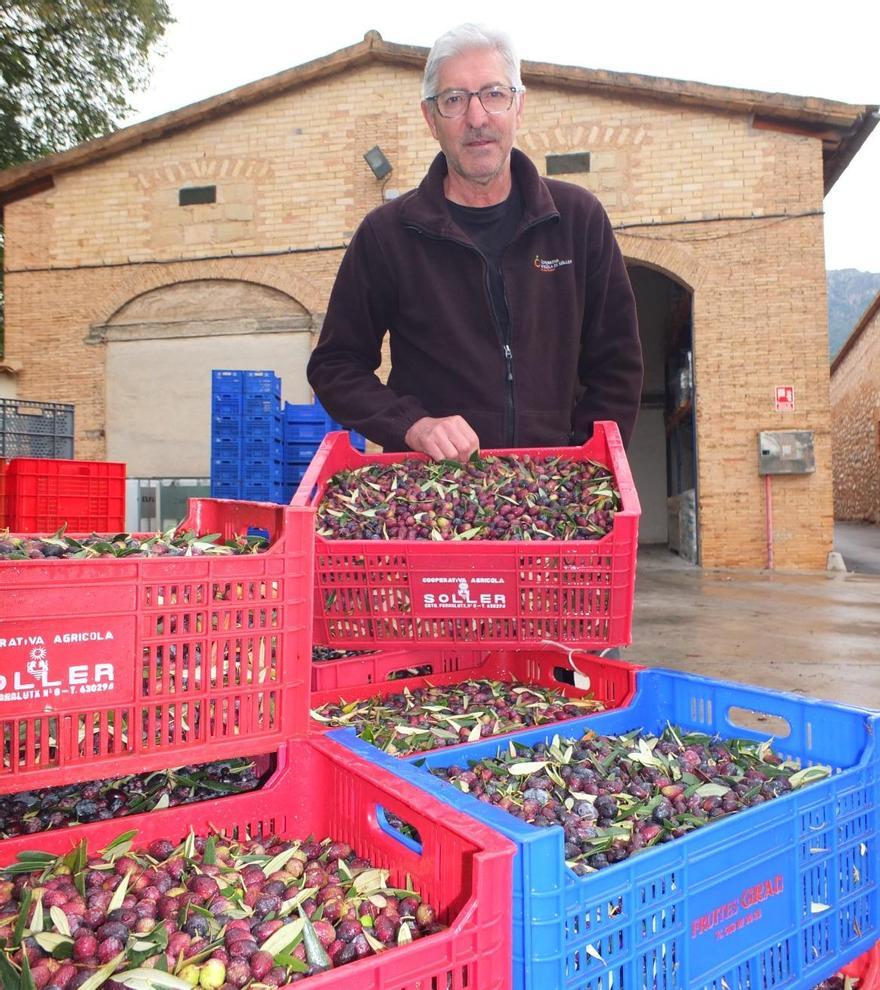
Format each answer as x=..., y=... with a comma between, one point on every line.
x=273, y=273
x=205, y=307
x=671, y=259
x=161, y=344
x=666, y=277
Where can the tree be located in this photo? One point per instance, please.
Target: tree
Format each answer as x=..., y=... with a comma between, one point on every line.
x=67, y=69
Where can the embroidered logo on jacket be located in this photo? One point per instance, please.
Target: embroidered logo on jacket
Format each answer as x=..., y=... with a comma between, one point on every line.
x=550, y=264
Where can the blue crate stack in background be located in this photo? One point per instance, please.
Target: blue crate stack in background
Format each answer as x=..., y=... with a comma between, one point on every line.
x=261, y=447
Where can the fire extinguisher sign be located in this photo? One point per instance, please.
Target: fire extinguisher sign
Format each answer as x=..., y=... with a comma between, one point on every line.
x=785, y=398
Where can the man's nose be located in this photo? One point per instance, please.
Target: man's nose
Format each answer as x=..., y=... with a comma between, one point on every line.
x=476, y=114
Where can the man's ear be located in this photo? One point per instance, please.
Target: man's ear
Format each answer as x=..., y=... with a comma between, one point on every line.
x=521, y=101
x=430, y=120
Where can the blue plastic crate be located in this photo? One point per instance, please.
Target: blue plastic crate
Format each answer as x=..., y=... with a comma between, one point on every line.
x=227, y=406
x=293, y=473
x=226, y=469
x=227, y=383
x=225, y=489
x=776, y=897
x=303, y=432
x=227, y=425
x=260, y=404
x=258, y=459
x=307, y=412
x=262, y=472
x=299, y=453
x=263, y=445
x=257, y=490
x=224, y=447
x=262, y=426
x=261, y=383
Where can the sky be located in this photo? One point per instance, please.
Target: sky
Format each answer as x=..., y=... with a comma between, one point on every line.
x=800, y=47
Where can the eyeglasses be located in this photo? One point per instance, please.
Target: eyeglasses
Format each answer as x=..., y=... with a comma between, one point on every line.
x=455, y=102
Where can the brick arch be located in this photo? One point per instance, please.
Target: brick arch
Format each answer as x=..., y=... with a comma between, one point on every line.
x=670, y=259
x=148, y=278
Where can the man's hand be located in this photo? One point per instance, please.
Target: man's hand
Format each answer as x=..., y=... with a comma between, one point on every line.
x=450, y=438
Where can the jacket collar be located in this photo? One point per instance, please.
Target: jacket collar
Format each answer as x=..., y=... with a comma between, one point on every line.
x=426, y=205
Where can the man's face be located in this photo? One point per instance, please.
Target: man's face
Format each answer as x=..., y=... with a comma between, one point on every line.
x=477, y=145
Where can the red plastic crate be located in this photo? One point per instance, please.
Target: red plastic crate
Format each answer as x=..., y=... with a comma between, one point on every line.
x=517, y=593
x=43, y=494
x=865, y=970
x=113, y=666
x=462, y=868
x=380, y=665
x=613, y=682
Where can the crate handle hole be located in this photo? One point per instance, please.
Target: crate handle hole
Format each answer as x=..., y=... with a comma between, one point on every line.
x=393, y=825
x=404, y=672
x=757, y=721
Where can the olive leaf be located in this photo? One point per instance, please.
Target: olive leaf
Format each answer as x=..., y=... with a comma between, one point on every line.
x=712, y=790
x=316, y=954
x=103, y=974
x=527, y=768
x=119, y=894
x=59, y=920
x=58, y=946
x=809, y=775
x=134, y=978
x=283, y=937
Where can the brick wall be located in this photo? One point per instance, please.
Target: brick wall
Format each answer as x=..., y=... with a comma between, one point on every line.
x=292, y=187
x=855, y=426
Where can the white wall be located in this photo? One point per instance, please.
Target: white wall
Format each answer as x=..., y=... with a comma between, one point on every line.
x=7, y=385
x=159, y=395
x=647, y=458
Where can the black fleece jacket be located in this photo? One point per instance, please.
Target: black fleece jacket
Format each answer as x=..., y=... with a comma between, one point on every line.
x=573, y=355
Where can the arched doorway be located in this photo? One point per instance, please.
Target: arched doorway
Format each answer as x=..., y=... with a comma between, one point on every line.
x=161, y=349
x=663, y=452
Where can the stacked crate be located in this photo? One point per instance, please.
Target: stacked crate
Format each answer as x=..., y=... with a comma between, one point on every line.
x=42, y=494
x=246, y=435
x=261, y=447
x=35, y=429
x=114, y=667
x=305, y=426
x=773, y=898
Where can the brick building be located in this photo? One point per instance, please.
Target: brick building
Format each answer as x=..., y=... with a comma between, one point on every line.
x=210, y=236
x=855, y=420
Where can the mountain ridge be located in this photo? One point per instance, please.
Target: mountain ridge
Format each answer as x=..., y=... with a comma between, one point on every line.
x=850, y=292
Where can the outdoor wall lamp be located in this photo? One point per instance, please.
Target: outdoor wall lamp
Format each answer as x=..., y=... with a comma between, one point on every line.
x=379, y=164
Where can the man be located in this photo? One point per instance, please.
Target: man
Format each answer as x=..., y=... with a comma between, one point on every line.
x=511, y=318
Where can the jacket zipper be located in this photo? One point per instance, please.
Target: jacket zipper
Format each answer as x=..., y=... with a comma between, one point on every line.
x=510, y=406
x=504, y=340
x=510, y=396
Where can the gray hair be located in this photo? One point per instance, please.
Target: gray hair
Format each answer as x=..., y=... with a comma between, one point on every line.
x=467, y=37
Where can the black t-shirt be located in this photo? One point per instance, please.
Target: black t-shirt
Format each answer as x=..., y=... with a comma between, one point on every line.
x=492, y=228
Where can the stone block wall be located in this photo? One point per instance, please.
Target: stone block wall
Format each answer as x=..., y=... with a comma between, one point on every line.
x=855, y=422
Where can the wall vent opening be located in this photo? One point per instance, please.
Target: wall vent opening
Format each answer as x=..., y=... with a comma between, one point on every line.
x=575, y=161
x=196, y=195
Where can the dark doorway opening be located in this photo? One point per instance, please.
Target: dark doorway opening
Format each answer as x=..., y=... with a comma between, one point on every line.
x=663, y=452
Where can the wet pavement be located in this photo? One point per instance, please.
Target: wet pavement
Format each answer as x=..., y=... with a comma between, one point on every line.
x=816, y=634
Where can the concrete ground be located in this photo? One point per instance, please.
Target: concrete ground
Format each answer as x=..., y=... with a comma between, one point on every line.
x=816, y=634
